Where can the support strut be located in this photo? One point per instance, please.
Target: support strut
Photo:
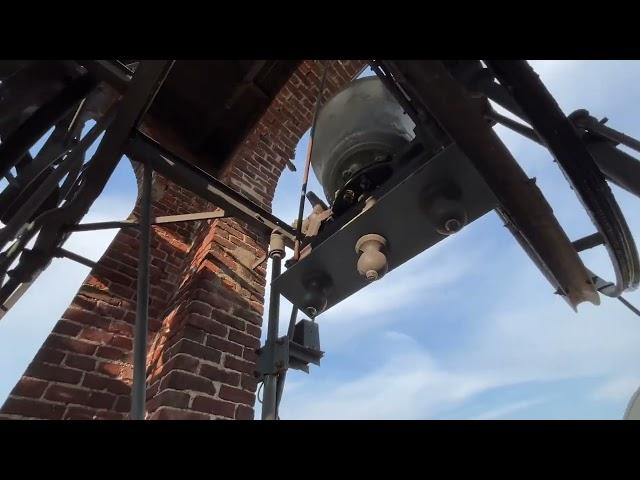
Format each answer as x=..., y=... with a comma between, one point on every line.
x=139, y=388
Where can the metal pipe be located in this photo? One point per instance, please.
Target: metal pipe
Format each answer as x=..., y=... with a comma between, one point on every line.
x=61, y=252
x=592, y=124
x=139, y=390
x=589, y=241
x=514, y=125
x=283, y=376
x=270, y=381
x=187, y=217
x=617, y=166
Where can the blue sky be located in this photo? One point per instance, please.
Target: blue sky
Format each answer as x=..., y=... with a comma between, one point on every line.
x=468, y=329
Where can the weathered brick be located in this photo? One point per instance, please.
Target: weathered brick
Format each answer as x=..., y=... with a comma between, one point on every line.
x=109, y=415
x=179, y=380
x=111, y=369
x=217, y=374
x=75, y=412
x=67, y=394
x=112, y=353
x=213, y=406
x=101, y=400
x=200, y=308
x=207, y=324
x=196, y=350
x=227, y=319
x=243, y=339
x=96, y=335
x=48, y=355
x=182, y=362
x=54, y=373
x=81, y=362
x=253, y=330
x=249, y=383
x=123, y=404
x=169, y=398
x=223, y=345
x=250, y=354
x=33, y=408
x=169, y=413
x=239, y=365
x=29, y=387
x=191, y=333
x=68, y=344
x=244, y=413
x=100, y=383
x=67, y=328
x=236, y=395
x=79, y=315
x=121, y=328
x=248, y=314
x=120, y=341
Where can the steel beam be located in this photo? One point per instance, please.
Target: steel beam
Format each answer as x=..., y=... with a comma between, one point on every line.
x=63, y=253
x=144, y=86
x=187, y=217
x=523, y=207
x=562, y=139
x=13, y=148
x=207, y=187
x=114, y=74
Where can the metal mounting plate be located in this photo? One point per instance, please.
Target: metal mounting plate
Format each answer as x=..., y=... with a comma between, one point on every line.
x=398, y=215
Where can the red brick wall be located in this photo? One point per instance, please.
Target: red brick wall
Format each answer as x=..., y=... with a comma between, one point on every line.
x=206, y=302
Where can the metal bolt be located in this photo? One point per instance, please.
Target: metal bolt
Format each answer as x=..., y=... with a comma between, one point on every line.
x=452, y=225
x=349, y=196
x=371, y=275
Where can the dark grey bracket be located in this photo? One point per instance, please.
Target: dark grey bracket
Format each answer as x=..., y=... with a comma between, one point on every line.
x=276, y=358
x=400, y=215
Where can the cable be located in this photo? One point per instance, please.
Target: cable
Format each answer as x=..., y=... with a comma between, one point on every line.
x=258, y=392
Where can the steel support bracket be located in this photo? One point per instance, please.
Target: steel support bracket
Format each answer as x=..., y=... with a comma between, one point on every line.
x=274, y=359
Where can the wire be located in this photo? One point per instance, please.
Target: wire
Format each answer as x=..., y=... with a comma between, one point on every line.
x=258, y=393
x=629, y=306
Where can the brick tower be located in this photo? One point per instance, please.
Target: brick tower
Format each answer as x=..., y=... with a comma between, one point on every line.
x=206, y=303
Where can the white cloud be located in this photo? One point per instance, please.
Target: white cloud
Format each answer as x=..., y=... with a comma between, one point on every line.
x=618, y=390
x=508, y=409
x=410, y=385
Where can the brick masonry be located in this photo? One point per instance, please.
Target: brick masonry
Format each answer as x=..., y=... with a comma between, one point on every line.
x=206, y=304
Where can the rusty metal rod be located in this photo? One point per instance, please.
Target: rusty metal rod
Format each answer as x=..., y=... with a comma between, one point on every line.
x=139, y=387
x=307, y=163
